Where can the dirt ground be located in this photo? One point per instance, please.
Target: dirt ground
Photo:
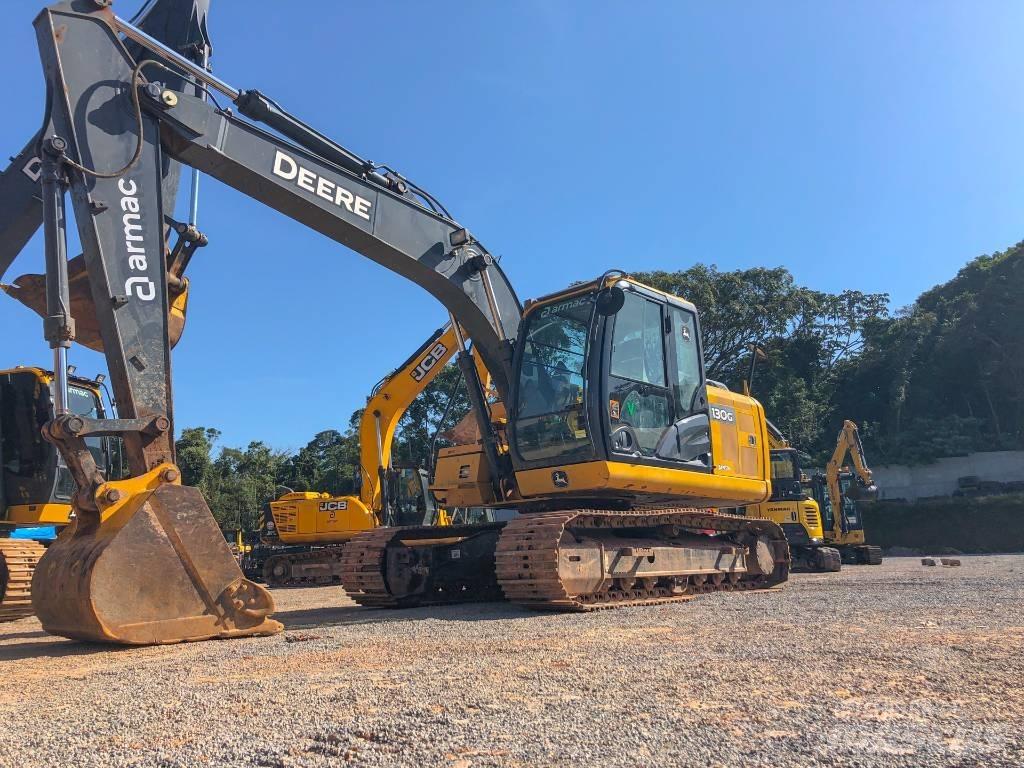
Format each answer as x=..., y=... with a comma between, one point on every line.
x=898, y=664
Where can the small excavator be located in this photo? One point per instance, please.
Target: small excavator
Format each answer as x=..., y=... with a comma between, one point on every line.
x=837, y=492
x=614, y=449
x=304, y=532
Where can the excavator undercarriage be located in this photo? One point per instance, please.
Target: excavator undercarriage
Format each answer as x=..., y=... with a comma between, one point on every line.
x=568, y=560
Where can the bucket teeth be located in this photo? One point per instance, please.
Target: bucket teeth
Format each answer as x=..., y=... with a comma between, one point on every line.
x=157, y=570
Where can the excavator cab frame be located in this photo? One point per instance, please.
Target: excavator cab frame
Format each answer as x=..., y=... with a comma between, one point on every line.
x=611, y=395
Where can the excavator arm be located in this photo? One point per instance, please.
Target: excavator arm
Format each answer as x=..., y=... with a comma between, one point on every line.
x=386, y=406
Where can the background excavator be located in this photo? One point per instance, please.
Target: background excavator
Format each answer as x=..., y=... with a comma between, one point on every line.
x=615, y=445
x=304, y=532
x=35, y=485
x=792, y=506
x=837, y=492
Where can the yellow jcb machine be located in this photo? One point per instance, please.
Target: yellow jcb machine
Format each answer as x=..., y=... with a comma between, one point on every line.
x=35, y=484
x=792, y=507
x=304, y=532
x=615, y=446
x=837, y=493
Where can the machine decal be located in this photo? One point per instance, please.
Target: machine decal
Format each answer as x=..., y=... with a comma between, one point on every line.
x=436, y=353
x=135, y=242
x=333, y=506
x=613, y=408
x=560, y=478
x=723, y=413
x=332, y=192
x=566, y=305
x=33, y=168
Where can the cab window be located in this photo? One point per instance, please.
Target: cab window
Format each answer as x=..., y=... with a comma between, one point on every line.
x=687, y=369
x=551, y=422
x=639, y=405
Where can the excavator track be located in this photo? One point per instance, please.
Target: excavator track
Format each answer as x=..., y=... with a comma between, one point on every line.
x=530, y=564
x=362, y=565
x=313, y=568
x=18, y=559
x=862, y=554
x=425, y=565
x=570, y=560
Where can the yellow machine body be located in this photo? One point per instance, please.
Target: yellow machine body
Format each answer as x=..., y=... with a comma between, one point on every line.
x=319, y=518
x=461, y=477
x=789, y=506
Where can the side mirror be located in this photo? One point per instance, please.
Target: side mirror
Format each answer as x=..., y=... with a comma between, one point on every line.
x=610, y=300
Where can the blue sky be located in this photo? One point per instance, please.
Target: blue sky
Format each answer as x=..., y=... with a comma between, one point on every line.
x=871, y=145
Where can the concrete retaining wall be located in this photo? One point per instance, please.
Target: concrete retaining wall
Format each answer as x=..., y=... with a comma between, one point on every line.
x=940, y=478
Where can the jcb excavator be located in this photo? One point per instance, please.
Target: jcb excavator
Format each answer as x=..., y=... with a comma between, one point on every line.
x=35, y=485
x=792, y=507
x=614, y=441
x=838, y=491
x=304, y=532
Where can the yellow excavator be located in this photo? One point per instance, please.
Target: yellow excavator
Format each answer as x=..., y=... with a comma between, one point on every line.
x=304, y=532
x=614, y=449
x=837, y=492
x=792, y=507
x=35, y=485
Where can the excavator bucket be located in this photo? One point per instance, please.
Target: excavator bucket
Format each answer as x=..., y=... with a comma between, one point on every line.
x=152, y=568
x=861, y=492
x=30, y=290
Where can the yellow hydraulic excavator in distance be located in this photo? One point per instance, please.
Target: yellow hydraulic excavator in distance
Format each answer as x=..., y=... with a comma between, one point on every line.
x=837, y=493
x=792, y=507
x=615, y=446
x=303, y=532
x=35, y=485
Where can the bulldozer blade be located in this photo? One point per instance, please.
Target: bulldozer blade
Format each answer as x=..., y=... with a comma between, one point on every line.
x=30, y=290
x=156, y=570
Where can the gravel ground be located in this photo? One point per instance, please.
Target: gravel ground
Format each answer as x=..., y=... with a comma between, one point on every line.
x=895, y=665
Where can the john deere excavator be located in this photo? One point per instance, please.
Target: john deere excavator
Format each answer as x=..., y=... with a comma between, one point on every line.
x=837, y=492
x=35, y=485
x=614, y=449
x=304, y=532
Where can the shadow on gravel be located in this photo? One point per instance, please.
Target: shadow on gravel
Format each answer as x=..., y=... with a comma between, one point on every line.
x=53, y=650
x=310, y=618
x=22, y=635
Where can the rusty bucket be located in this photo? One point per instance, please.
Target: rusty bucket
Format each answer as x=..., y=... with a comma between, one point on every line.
x=30, y=290
x=152, y=568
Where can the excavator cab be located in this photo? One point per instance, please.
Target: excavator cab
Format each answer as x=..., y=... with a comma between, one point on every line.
x=410, y=501
x=37, y=486
x=611, y=398
x=786, y=475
